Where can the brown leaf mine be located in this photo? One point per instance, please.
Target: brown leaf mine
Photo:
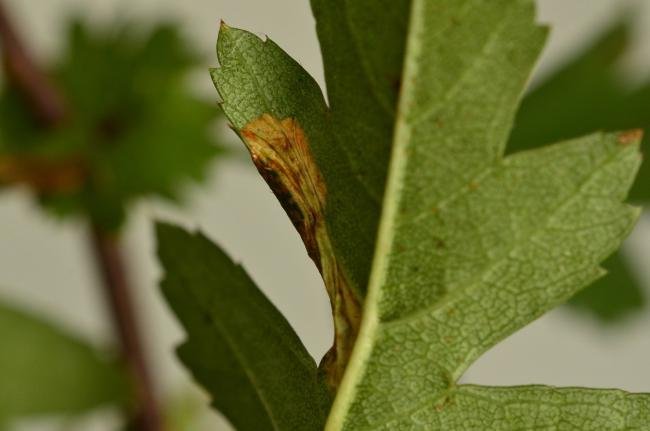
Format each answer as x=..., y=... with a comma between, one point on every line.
x=281, y=153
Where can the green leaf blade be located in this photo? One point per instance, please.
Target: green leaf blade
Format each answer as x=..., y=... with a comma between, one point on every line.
x=256, y=77
x=363, y=46
x=507, y=258
x=263, y=88
x=615, y=296
x=587, y=94
x=544, y=408
x=46, y=371
x=134, y=129
x=471, y=246
x=239, y=347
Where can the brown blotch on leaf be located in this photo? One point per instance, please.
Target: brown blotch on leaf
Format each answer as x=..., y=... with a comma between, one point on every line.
x=280, y=150
x=281, y=153
x=630, y=137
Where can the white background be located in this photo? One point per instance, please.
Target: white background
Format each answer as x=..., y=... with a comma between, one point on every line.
x=44, y=264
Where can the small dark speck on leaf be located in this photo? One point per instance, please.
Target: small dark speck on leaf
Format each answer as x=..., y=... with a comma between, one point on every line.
x=396, y=84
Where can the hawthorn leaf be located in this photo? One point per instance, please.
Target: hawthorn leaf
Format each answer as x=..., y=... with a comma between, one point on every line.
x=134, y=130
x=542, y=408
x=473, y=246
x=239, y=347
x=45, y=371
x=276, y=107
x=362, y=44
x=587, y=94
x=496, y=257
x=615, y=296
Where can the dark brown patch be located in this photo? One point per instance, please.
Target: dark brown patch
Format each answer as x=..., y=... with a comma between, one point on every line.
x=396, y=84
x=280, y=150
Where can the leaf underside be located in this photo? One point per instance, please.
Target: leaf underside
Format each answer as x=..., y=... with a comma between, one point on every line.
x=473, y=246
x=588, y=94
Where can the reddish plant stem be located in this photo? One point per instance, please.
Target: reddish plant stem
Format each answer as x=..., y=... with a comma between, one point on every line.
x=49, y=108
x=47, y=101
x=112, y=267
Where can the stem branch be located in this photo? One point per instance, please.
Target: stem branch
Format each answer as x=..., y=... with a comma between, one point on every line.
x=112, y=268
x=47, y=102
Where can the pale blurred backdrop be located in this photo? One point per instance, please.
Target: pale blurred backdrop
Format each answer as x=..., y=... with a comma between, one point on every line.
x=44, y=264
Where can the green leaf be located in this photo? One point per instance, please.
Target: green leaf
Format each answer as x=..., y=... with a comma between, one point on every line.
x=46, y=371
x=519, y=241
x=363, y=46
x=472, y=246
x=616, y=295
x=239, y=347
x=135, y=130
x=543, y=408
x=274, y=84
x=587, y=94
x=336, y=212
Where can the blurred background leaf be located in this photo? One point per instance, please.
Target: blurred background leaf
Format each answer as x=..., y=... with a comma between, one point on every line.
x=134, y=128
x=587, y=94
x=44, y=370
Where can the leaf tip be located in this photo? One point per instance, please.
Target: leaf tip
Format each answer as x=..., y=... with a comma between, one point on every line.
x=223, y=27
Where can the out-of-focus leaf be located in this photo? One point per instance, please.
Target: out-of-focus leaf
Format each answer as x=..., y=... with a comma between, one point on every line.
x=587, y=94
x=44, y=370
x=134, y=128
x=183, y=412
x=615, y=295
x=240, y=348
